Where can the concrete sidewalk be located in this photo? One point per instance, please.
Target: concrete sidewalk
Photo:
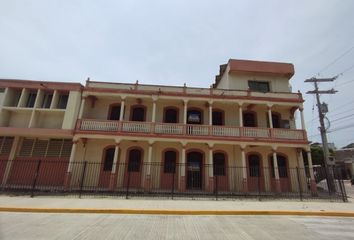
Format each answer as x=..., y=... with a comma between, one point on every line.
x=167, y=206
x=172, y=205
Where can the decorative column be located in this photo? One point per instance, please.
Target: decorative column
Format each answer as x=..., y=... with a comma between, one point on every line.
x=211, y=169
x=270, y=119
x=153, y=117
x=147, y=182
x=182, y=172
x=113, y=179
x=244, y=170
x=210, y=113
x=312, y=176
x=303, y=127
x=67, y=180
x=185, y=107
x=121, y=113
x=240, y=113
x=276, y=172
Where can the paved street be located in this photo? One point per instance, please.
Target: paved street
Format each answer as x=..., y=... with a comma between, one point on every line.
x=101, y=226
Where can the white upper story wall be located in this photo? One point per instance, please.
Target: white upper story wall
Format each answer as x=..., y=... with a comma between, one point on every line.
x=236, y=74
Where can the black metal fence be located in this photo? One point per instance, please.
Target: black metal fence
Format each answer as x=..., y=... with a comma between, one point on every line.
x=38, y=177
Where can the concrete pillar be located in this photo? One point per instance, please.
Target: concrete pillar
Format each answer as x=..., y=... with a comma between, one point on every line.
x=122, y=106
x=244, y=170
x=12, y=156
x=182, y=172
x=240, y=113
x=185, y=107
x=113, y=179
x=303, y=127
x=55, y=99
x=147, y=182
x=211, y=169
x=211, y=113
x=276, y=172
x=153, y=117
x=5, y=96
x=67, y=180
x=22, y=100
x=270, y=119
x=82, y=107
x=312, y=176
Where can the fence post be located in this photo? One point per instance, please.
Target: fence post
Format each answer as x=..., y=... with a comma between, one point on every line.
x=299, y=183
x=216, y=186
x=82, y=178
x=35, y=178
x=128, y=183
x=173, y=181
x=259, y=183
x=341, y=185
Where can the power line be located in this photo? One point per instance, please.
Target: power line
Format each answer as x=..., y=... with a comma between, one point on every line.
x=346, y=70
x=336, y=60
x=342, y=118
x=335, y=110
x=345, y=83
x=343, y=127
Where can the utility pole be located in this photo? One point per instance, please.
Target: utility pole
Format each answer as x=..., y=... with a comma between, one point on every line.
x=322, y=110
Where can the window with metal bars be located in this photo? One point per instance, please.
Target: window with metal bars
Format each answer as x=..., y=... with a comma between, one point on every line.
x=31, y=147
x=5, y=145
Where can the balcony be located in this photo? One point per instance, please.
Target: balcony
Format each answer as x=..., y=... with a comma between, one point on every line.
x=188, y=130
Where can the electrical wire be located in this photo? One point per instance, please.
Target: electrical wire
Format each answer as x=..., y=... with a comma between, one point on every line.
x=348, y=116
x=335, y=60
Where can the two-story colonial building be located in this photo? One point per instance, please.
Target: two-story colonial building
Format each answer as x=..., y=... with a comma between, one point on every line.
x=238, y=136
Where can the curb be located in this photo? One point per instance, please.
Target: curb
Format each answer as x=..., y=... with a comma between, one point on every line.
x=177, y=212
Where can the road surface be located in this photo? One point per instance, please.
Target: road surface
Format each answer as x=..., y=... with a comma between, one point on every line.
x=104, y=226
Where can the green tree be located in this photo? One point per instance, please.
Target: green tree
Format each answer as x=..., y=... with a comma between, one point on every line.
x=316, y=155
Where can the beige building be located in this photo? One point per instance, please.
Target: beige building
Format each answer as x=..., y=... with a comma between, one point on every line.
x=238, y=136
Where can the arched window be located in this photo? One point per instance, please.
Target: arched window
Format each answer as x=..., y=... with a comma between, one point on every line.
x=194, y=116
x=114, y=112
x=138, y=114
x=170, y=115
x=219, y=164
x=134, y=160
x=282, y=166
x=249, y=119
x=170, y=162
x=276, y=119
x=218, y=117
x=254, y=164
x=108, y=159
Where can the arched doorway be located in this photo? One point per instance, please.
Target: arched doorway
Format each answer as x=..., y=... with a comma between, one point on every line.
x=255, y=174
x=249, y=119
x=169, y=170
x=138, y=113
x=194, y=116
x=220, y=171
x=194, y=170
x=170, y=115
x=218, y=118
x=133, y=171
x=283, y=173
x=114, y=112
x=106, y=166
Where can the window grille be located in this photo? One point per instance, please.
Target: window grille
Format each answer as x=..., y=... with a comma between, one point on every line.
x=5, y=145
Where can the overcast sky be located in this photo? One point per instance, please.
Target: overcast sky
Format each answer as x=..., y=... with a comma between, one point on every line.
x=176, y=42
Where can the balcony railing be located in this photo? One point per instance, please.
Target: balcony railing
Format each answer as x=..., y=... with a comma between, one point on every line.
x=190, y=130
x=192, y=91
